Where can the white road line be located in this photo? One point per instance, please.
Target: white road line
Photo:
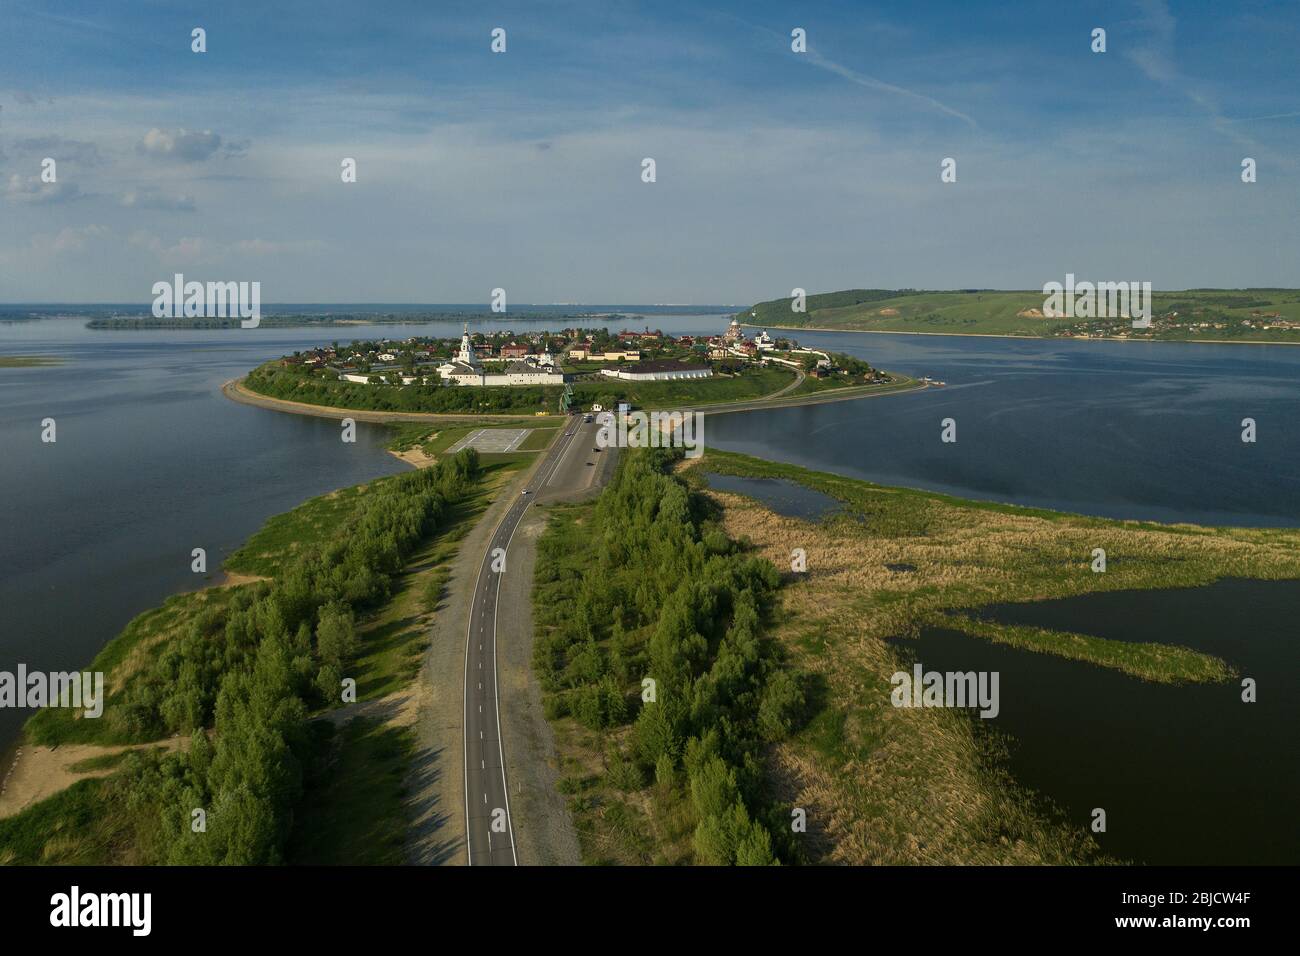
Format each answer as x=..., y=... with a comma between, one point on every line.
x=465, y=442
x=559, y=456
x=505, y=787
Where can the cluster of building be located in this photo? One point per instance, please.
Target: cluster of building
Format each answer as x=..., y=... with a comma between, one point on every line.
x=530, y=361
x=522, y=369
x=1173, y=322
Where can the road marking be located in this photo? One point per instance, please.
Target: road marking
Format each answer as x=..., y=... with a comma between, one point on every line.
x=517, y=511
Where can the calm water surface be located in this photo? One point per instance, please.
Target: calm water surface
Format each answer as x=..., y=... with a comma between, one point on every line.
x=151, y=461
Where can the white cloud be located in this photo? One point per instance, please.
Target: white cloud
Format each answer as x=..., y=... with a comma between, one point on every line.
x=181, y=145
x=148, y=198
x=30, y=189
x=184, y=250
x=264, y=247
x=72, y=238
x=70, y=150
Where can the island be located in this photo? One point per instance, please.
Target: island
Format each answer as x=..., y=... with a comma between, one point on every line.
x=508, y=375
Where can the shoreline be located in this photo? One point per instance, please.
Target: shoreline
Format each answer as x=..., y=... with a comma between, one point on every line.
x=1005, y=335
x=235, y=391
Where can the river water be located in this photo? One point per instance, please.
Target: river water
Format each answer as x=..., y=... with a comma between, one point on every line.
x=151, y=461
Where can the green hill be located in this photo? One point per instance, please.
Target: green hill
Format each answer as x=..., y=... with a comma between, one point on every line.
x=1247, y=315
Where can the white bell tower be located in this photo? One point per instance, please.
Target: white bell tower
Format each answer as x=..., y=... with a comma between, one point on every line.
x=466, y=353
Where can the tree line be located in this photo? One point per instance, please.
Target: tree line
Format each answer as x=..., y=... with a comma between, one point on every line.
x=661, y=593
x=253, y=672
x=304, y=386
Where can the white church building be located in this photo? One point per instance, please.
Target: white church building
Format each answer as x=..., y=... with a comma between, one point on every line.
x=465, y=369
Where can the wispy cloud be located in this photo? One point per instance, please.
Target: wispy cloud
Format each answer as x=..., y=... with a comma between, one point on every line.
x=1155, y=58
x=188, y=146
x=30, y=189
x=862, y=79
x=152, y=199
x=872, y=83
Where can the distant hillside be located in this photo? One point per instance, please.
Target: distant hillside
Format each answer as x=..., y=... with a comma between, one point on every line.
x=1247, y=315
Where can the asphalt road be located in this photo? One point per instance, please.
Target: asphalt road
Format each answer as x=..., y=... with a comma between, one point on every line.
x=489, y=830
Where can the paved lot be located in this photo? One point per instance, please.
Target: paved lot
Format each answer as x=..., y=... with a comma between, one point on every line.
x=491, y=440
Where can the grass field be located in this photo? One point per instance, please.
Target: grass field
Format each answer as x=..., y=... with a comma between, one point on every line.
x=71, y=828
x=897, y=785
x=353, y=811
x=998, y=312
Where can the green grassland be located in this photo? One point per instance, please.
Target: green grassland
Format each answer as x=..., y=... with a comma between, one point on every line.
x=354, y=812
x=893, y=785
x=999, y=312
x=973, y=553
x=72, y=828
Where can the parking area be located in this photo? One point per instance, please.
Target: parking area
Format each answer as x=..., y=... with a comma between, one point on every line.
x=492, y=440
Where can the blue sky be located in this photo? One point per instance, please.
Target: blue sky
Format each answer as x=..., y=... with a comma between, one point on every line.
x=522, y=170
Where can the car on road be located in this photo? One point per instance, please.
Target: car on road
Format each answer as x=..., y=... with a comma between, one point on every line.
x=587, y=419
x=524, y=492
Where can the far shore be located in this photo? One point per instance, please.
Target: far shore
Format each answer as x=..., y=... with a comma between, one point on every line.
x=1023, y=338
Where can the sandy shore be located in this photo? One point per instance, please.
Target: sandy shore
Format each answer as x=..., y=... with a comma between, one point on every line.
x=40, y=772
x=415, y=457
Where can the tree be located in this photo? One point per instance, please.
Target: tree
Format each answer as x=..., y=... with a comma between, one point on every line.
x=336, y=636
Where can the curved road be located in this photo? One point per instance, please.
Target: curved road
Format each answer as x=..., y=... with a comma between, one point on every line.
x=489, y=830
